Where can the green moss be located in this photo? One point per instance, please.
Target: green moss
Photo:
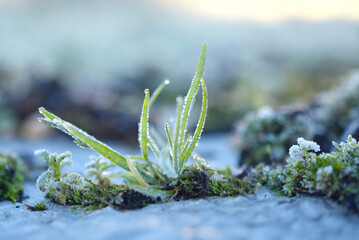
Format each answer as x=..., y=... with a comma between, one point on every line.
x=264, y=136
x=41, y=206
x=72, y=188
x=337, y=109
x=332, y=175
x=94, y=197
x=12, y=170
x=199, y=181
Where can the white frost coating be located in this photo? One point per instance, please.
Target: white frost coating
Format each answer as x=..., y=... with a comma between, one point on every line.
x=44, y=180
x=164, y=163
x=323, y=175
x=308, y=145
x=325, y=170
x=40, y=152
x=288, y=190
x=350, y=149
x=57, y=122
x=179, y=100
x=295, y=152
x=265, y=112
x=66, y=154
x=74, y=180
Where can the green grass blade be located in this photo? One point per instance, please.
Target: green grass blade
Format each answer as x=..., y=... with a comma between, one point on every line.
x=153, y=145
x=149, y=191
x=174, y=144
x=135, y=173
x=83, y=138
x=190, y=97
x=170, y=144
x=143, y=132
x=200, y=124
x=183, y=153
x=168, y=132
x=143, y=126
x=158, y=91
x=146, y=175
x=97, y=146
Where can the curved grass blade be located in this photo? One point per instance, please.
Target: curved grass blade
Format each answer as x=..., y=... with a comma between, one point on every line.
x=153, y=145
x=174, y=144
x=158, y=90
x=150, y=191
x=135, y=173
x=143, y=126
x=190, y=97
x=143, y=132
x=84, y=138
x=200, y=124
x=169, y=137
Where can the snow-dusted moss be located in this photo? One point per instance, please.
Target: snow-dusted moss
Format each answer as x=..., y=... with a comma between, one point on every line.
x=41, y=206
x=12, y=170
x=72, y=189
x=199, y=180
x=334, y=175
x=265, y=135
x=53, y=182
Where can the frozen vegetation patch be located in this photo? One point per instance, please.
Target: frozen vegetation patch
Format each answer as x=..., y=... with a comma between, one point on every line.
x=266, y=135
x=12, y=172
x=337, y=111
x=333, y=175
x=160, y=173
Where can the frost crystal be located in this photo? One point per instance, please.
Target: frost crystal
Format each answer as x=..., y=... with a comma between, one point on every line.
x=295, y=152
x=44, y=180
x=323, y=177
x=308, y=145
x=74, y=180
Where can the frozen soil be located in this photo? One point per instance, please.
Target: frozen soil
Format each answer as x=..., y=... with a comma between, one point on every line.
x=261, y=216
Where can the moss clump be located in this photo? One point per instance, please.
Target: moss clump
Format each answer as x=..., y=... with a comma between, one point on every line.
x=41, y=206
x=12, y=170
x=199, y=180
x=73, y=189
x=265, y=135
x=337, y=111
x=53, y=181
x=117, y=196
x=333, y=175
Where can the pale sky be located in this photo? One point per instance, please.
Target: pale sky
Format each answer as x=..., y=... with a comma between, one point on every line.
x=270, y=10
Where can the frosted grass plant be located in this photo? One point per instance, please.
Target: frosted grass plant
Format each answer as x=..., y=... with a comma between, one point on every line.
x=141, y=173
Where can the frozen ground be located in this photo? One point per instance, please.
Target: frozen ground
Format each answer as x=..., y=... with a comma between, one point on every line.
x=252, y=217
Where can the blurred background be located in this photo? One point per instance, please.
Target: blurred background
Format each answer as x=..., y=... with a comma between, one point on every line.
x=89, y=61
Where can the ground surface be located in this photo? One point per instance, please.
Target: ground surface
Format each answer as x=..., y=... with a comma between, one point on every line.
x=260, y=216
